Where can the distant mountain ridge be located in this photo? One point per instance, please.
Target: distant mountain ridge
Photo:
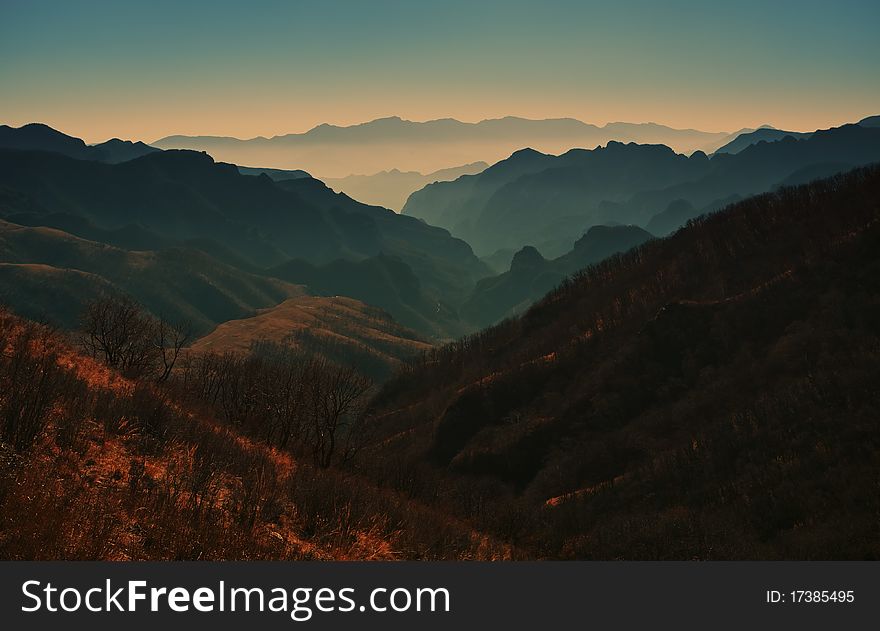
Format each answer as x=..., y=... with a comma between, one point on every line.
x=394, y=143
x=278, y=175
x=392, y=188
x=40, y=137
x=531, y=194
x=764, y=134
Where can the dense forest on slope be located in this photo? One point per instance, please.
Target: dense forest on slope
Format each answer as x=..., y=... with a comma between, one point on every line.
x=709, y=395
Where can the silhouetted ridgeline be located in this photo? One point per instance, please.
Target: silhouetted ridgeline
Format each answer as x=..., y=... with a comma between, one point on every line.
x=211, y=213
x=531, y=196
x=710, y=395
x=39, y=137
x=393, y=143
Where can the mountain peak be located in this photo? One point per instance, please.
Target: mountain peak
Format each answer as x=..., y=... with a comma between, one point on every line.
x=527, y=258
x=526, y=152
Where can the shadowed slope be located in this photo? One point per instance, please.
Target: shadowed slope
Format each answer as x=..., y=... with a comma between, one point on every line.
x=708, y=395
x=341, y=329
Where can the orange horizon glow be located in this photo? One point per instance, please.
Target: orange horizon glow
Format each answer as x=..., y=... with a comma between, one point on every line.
x=144, y=71
x=94, y=127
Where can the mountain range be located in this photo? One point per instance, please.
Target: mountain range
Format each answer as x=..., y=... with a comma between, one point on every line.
x=762, y=134
x=391, y=143
x=533, y=196
x=40, y=137
x=186, y=200
x=711, y=395
x=392, y=188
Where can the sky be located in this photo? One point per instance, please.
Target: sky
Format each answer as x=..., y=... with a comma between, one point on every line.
x=144, y=70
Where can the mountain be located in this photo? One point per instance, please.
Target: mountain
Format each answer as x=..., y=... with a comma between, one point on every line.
x=764, y=167
x=394, y=143
x=40, y=137
x=276, y=174
x=383, y=281
x=870, y=121
x=764, y=134
x=531, y=276
x=391, y=188
x=679, y=211
x=51, y=275
x=183, y=197
x=553, y=197
x=116, y=150
x=340, y=329
x=711, y=395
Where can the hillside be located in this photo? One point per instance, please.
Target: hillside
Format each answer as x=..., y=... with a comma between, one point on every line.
x=709, y=395
x=556, y=197
x=181, y=199
x=383, y=281
x=341, y=329
x=50, y=274
x=99, y=467
x=531, y=276
x=533, y=195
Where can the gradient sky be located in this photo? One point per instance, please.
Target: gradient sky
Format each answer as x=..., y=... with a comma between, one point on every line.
x=143, y=70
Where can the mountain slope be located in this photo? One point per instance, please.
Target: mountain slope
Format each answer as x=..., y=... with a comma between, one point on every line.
x=383, y=281
x=708, y=395
x=178, y=197
x=531, y=275
x=765, y=134
x=560, y=195
x=531, y=195
x=341, y=329
x=40, y=137
x=50, y=274
x=391, y=188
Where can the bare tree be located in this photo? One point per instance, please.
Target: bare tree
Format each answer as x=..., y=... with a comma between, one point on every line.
x=122, y=334
x=337, y=395
x=169, y=340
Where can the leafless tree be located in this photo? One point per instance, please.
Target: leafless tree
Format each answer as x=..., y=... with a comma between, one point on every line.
x=337, y=395
x=169, y=340
x=122, y=334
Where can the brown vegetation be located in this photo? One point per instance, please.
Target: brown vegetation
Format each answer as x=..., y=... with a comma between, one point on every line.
x=708, y=396
x=97, y=466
